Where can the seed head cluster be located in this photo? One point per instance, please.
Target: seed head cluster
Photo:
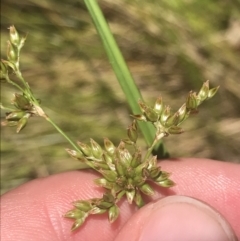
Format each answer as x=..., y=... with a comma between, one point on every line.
x=124, y=173
x=128, y=173
x=125, y=170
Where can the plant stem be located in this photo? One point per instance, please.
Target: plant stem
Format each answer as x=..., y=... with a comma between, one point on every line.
x=27, y=90
x=62, y=133
x=83, y=165
x=150, y=149
x=14, y=84
x=120, y=68
x=39, y=110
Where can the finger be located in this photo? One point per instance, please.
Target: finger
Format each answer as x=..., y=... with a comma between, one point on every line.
x=178, y=218
x=34, y=210
x=216, y=183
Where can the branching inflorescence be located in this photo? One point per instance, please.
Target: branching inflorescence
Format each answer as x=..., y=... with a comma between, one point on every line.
x=126, y=170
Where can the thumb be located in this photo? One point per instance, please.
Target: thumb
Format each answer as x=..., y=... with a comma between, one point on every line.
x=177, y=218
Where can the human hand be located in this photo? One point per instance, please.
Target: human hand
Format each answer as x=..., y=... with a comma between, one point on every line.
x=34, y=211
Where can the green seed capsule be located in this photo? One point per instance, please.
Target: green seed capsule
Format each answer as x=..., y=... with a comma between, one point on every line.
x=100, y=165
x=183, y=113
x=139, y=117
x=15, y=115
x=149, y=112
x=104, y=205
x=79, y=222
x=203, y=92
x=166, y=183
x=133, y=132
x=102, y=182
x=152, y=162
x=138, y=180
x=158, y=107
x=12, y=53
x=212, y=92
x=108, y=197
x=22, y=122
x=109, y=175
x=74, y=213
x=113, y=213
x=21, y=102
x=192, y=102
x=123, y=155
x=96, y=149
x=142, y=106
x=163, y=176
x=136, y=159
x=109, y=146
x=14, y=36
x=130, y=194
x=165, y=114
x=175, y=130
x=155, y=172
x=119, y=167
x=10, y=65
x=147, y=189
x=75, y=154
x=121, y=194
x=138, y=199
x=82, y=205
x=108, y=160
x=87, y=150
x=97, y=210
x=172, y=120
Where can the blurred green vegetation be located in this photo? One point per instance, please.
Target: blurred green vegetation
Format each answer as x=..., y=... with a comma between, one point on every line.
x=171, y=47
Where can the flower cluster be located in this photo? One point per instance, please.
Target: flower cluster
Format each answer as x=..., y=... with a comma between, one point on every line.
x=128, y=173
x=167, y=122
x=20, y=116
x=25, y=103
x=93, y=206
x=15, y=44
x=125, y=170
x=123, y=174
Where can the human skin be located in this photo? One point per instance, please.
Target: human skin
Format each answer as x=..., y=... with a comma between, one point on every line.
x=34, y=211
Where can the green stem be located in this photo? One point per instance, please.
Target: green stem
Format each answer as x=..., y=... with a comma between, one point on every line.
x=6, y=108
x=120, y=68
x=39, y=110
x=150, y=149
x=63, y=134
x=82, y=165
x=14, y=84
x=19, y=75
x=27, y=90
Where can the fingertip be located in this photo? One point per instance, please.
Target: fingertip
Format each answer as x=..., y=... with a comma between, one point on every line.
x=177, y=218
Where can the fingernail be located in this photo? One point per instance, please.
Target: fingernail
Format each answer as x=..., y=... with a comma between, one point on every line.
x=181, y=218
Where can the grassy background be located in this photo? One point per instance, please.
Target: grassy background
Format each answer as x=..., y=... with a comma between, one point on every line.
x=171, y=47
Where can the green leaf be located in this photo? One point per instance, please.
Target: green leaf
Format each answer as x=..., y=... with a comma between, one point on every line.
x=121, y=70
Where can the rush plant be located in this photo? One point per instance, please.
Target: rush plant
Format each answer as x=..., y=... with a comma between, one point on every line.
x=126, y=170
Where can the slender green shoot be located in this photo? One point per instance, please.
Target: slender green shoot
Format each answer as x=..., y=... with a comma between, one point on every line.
x=122, y=72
